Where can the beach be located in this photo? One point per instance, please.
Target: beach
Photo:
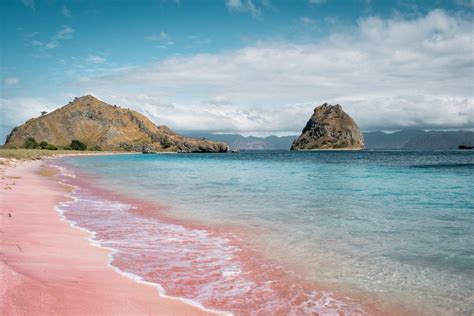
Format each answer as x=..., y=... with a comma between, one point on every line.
x=199, y=233
x=49, y=267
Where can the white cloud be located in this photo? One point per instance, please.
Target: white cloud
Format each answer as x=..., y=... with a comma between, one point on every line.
x=36, y=43
x=330, y=19
x=65, y=11
x=51, y=45
x=307, y=20
x=219, y=114
x=197, y=41
x=387, y=74
x=165, y=45
x=25, y=108
x=162, y=39
x=11, y=81
x=17, y=110
x=234, y=4
x=29, y=3
x=243, y=6
x=64, y=33
x=95, y=59
x=162, y=36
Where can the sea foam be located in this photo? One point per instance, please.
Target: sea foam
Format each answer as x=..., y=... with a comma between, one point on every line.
x=197, y=266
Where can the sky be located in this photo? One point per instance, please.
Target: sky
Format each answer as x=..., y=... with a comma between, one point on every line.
x=256, y=67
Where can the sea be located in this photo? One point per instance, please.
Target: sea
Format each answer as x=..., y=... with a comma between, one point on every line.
x=286, y=233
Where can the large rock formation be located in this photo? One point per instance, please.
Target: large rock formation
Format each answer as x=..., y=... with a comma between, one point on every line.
x=329, y=128
x=106, y=127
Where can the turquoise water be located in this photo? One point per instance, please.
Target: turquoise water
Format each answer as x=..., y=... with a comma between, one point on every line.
x=397, y=226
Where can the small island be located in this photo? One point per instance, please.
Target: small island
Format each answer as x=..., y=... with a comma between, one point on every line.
x=329, y=128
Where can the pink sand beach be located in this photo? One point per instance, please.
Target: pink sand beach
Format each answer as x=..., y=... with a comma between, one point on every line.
x=49, y=268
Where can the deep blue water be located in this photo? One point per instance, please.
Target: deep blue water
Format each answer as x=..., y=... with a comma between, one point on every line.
x=398, y=224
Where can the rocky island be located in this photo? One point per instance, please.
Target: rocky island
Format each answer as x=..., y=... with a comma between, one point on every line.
x=101, y=126
x=329, y=128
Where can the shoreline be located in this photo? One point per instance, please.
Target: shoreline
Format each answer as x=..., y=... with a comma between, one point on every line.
x=49, y=178
x=147, y=209
x=111, y=251
x=47, y=267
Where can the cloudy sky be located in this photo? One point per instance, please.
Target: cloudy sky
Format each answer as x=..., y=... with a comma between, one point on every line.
x=251, y=66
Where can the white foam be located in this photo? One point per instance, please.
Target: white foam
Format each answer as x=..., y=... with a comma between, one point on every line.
x=110, y=256
x=63, y=171
x=228, y=273
x=215, y=266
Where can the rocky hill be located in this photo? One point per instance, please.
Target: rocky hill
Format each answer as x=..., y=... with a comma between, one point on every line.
x=106, y=127
x=329, y=128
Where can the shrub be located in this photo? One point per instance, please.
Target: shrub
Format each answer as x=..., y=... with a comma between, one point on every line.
x=77, y=145
x=30, y=143
x=166, y=143
x=51, y=147
x=43, y=145
x=96, y=148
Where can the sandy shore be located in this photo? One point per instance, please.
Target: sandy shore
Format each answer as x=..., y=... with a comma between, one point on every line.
x=49, y=268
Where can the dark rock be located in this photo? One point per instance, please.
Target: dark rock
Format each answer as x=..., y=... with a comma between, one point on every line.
x=329, y=128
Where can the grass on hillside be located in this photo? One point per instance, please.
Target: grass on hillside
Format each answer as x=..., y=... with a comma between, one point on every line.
x=33, y=154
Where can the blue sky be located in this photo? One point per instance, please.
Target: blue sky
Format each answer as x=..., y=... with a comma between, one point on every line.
x=252, y=66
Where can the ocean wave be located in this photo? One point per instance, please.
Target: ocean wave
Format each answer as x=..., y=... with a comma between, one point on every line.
x=444, y=165
x=197, y=266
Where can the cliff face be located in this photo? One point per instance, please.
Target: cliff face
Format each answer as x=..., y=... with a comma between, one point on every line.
x=108, y=127
x=329, y=128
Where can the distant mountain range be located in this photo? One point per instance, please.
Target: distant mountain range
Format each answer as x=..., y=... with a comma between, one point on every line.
x=409, y=139
x=238, y=141
x=418, y=139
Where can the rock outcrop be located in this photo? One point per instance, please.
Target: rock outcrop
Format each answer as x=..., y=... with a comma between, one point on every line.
x=106, y=127
x=329, y=128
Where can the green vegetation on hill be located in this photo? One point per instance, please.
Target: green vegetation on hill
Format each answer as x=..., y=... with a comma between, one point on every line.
x=30, y=143
x=166, y=143
x=77, y=145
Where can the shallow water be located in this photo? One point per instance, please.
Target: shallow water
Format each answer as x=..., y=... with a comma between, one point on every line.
x=265, y=232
